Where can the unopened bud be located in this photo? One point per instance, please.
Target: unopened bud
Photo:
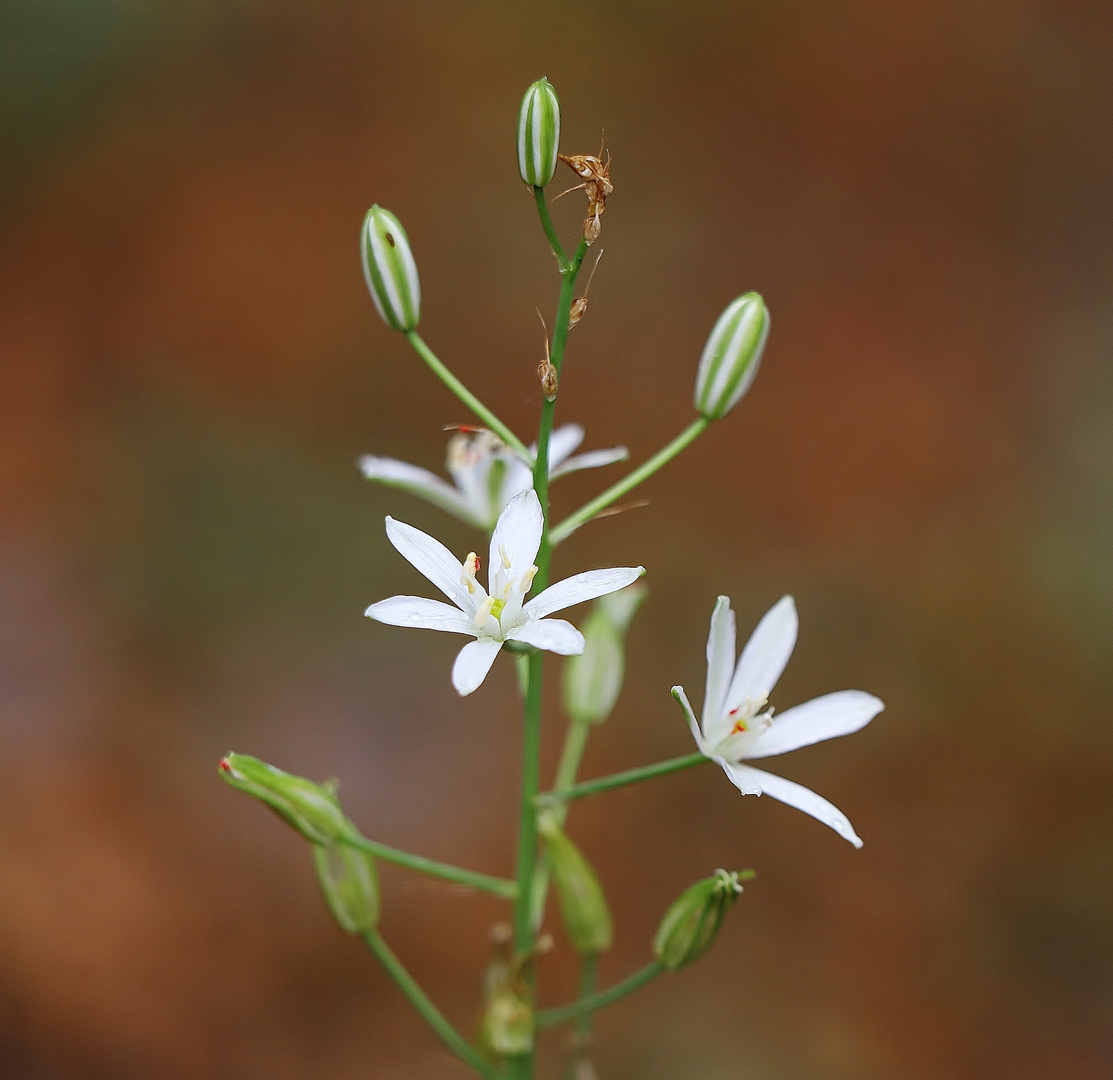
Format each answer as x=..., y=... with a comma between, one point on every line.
x=312, y=809
x=593, y=679
x=350, y=884
x=577, y=311
x=731, y=356
x=690, y=925
x=582, y=903
x=390, y=270
x=538, y=134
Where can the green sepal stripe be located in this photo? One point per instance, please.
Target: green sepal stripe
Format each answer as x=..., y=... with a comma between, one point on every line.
x=538, y=134
x=731, y=356
x=389, y=270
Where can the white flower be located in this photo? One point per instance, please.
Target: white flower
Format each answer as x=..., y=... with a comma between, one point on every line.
x=501, y=614
x=737, y=725
x=487, y=475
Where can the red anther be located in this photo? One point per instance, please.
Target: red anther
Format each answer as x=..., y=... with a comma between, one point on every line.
x=224, y=765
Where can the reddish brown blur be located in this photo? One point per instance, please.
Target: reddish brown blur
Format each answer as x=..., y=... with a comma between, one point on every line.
x=190, y=365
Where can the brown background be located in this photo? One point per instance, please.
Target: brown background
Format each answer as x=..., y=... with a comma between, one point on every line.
x=190, y=366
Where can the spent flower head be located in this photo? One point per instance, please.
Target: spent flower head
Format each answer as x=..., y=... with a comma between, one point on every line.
x=738, y=725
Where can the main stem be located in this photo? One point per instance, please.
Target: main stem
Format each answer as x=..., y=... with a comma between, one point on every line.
x=520, y=1067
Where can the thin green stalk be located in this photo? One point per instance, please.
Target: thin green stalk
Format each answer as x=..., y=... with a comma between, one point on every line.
x=595, y=1002
x=589, y=971
x=550, y=232
x=616, y=780
x=432, y=1015
x=575, y=739
x=520, y=1067
x=468, y=398
x=497, y=886
x=627, y=484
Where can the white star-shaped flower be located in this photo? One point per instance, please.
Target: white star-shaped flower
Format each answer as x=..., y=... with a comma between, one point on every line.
x=738, y=725
x=499, y=613
x=486, y=474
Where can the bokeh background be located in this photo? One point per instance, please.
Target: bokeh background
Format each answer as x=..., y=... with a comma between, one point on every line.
x=190, y=366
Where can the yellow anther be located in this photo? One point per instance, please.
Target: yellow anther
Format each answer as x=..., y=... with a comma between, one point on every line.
x=527, y=580
x=505, y=558
x=483, y=611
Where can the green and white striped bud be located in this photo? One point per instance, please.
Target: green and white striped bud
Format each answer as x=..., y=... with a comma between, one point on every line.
x=350, y=884
x=731, y=356
x=390, y=270
x=312, y=809
x=582, y=903
x=593, y=679
x=538, y=134
x=689, y=927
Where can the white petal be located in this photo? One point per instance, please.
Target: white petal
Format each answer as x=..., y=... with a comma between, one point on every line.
x=422, y=613
x=841, y=713
x=720, y=665
x=678, y=693
x=429, y=556
x=593, y=459
x=473, y=663
x=765, y=655
x=581, y=587
x=562, y=442
x=556, y=635
x=745, y=779
x=518, y=535
x=515, y=479
x=420, y=482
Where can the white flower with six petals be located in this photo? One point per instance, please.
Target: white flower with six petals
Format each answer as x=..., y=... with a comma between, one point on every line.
x=737, y=724
x=486, y=474
x=500, y=613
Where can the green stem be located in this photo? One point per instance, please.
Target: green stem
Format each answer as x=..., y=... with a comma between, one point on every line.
x=497, y=886
x=520, y=1067
x=588, y=973
x=468, y=398
x=575, y=739
x=433, y=1016
x=550, y=232
x=616, y=780
x=595, y=1002
x=627, y=484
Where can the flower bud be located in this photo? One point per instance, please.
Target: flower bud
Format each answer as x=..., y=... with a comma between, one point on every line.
x=390, y=270
x=582, y=903
x=350, y=884
x=538, y=134
x=690, y=925
x=731, y=356
x=593, y=679
x=310, y=808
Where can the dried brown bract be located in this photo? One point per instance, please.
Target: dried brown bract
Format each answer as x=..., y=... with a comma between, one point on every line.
x=579, y=306
x=596, y=176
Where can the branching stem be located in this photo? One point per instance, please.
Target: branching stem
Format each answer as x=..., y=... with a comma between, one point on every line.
x=431, y=1014
x=497, y=886
x=617, y=780
x=627, y=484
x=595, y=1002
x=468, y=398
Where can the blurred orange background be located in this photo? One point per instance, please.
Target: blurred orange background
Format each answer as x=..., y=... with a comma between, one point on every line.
x=190, y=366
